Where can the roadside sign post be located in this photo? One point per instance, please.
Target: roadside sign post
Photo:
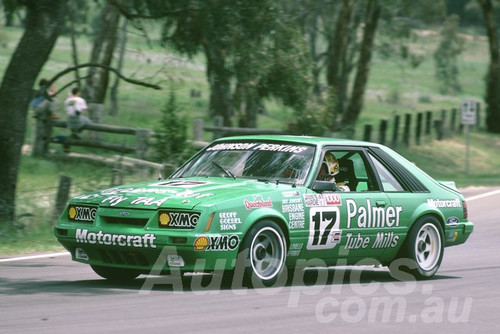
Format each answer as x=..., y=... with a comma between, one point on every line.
x=469, y=117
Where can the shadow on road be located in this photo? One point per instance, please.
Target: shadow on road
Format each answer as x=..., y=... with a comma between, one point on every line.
x=198, y=282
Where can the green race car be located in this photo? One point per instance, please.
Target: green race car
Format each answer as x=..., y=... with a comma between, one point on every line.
x=261, y=205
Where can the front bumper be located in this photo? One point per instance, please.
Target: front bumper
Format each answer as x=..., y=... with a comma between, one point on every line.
x=147, y=252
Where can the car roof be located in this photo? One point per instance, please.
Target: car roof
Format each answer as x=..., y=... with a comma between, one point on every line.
x=317, y=141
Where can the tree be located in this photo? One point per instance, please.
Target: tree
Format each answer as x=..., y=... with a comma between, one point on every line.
x=106, y=36
x=351, y=114
x=43, y=21
x=226, y=32
x=271, y=61
x=343, y=44
x=446, y=54
x=10, y=7
x=351, y=44
x=239, y=40
x=493, y=76
x=340, y=61
x=170, y=138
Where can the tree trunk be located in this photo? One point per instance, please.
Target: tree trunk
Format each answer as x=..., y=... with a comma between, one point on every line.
x=493, y=77
x=219, y=81
x=337, y=50
x=9, y=18
x=43, y=22
x=113, y=94
x=352, y=112
x=312, y=31
x=74, y=48
x=102, y=52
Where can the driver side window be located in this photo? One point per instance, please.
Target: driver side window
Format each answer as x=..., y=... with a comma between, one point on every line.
x=350, y=172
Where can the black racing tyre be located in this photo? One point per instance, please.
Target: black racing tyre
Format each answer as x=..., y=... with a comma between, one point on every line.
x=423, y=249
x=262, y=254
x=115, y=274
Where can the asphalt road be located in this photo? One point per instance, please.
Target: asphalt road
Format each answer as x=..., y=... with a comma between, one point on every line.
x=56, y=295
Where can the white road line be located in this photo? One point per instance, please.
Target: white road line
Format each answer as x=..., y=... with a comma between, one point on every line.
x=32, y=257
x=491, y=193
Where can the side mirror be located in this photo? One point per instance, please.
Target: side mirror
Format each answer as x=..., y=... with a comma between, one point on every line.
x=321, y=186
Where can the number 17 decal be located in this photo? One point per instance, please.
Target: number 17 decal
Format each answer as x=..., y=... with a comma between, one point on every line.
x=324, y=230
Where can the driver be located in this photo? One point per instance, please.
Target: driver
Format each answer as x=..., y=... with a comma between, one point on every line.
x=329, y=168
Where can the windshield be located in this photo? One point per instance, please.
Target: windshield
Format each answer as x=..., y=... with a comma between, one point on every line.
x=264, y=161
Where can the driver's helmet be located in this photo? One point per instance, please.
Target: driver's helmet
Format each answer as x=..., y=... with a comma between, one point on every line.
x=331, y=163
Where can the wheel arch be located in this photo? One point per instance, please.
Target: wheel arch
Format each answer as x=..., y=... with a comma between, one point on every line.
x=426, y=210
x=268, y=214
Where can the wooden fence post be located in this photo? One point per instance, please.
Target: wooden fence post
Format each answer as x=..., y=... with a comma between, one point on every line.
x=443, y=123
x=62, y=196
x=198, y=129
x=428, y=122
x=42, y=136
x=382, y=131
x=406, y=134
x=438, y=125
x=418, y=130
x=367, y=132
x=453, y=119
x=395, y=133
x=142, y=139
x=218, y=122
x=478, y=116
x=95, y=115
x=117, y=172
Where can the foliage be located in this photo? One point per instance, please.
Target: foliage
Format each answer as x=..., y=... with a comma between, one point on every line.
x=170, y=138
x=493, y=76
x=450, y=47
x=287, y=76
x=252, y=50
x=315, y=119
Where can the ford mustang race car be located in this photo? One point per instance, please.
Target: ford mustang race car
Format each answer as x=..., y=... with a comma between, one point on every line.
x=260, y=205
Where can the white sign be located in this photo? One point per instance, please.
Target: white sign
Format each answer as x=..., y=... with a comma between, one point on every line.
x=469, y=112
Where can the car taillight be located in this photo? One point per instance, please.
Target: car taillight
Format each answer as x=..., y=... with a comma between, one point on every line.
x=466, y=213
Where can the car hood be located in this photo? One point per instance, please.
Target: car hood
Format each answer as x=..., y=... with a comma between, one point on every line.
x=177, y=193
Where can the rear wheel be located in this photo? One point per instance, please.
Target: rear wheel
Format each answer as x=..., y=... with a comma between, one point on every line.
x=264, y=253
x=115, y=274
x=423, y=248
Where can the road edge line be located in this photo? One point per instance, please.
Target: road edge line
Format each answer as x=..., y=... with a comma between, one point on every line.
x=491, y=193
x=33, y=257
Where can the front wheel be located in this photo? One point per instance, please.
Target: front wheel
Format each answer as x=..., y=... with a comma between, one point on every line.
x=423, y=248
x=264, y=254
x=116, y=274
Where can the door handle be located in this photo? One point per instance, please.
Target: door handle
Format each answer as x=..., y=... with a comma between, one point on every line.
x=380, y=204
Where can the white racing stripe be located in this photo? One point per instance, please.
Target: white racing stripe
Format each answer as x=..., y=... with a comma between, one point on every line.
x=490, y=193
x=33, y=257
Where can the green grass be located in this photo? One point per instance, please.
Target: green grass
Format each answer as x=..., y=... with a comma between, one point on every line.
x=416, y=90
x=446, y=159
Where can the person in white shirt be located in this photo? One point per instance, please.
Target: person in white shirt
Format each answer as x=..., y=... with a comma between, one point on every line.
x=76, y=107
